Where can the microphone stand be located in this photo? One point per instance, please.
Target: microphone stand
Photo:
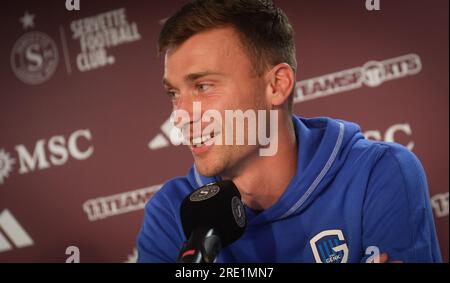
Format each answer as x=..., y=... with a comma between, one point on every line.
x=203, y=246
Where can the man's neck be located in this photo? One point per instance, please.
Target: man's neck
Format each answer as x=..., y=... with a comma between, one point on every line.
x=265, y=178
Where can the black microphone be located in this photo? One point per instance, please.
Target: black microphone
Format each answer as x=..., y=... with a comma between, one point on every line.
x=212, y=217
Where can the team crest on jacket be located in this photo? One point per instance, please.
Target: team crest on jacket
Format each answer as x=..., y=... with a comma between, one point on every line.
x=329, y=246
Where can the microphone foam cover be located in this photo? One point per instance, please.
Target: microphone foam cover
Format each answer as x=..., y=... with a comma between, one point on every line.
x=218, y=206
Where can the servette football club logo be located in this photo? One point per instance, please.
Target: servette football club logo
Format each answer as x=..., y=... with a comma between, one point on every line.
x=34, y=56
x=329, y=247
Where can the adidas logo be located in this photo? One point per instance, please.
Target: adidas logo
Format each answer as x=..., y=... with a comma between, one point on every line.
x=163, y=139
x=12, y=234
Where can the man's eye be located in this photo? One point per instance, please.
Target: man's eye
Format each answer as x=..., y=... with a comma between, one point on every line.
x=172, y=94
x=203, y=87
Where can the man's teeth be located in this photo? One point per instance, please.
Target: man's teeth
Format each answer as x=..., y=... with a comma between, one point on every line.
x=197, y=140
x=201, y=140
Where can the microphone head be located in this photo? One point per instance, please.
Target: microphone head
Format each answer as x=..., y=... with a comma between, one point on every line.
x=218, y=206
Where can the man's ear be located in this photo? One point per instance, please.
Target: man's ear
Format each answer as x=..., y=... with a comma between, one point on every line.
x=280, y=81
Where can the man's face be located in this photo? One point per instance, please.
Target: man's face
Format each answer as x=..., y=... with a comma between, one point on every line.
x=212, y=68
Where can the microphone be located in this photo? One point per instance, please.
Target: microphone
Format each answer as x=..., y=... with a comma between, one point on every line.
x=212, y=217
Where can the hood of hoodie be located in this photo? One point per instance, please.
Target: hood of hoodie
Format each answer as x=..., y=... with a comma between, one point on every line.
x=323, y=146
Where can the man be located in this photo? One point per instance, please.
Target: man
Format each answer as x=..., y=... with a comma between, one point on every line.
x=326, y=195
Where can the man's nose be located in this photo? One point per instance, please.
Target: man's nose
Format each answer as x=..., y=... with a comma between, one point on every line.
x=185, y=106
x=185, y=103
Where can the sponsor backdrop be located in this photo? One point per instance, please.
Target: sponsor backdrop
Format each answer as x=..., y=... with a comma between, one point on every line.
x=84, y=119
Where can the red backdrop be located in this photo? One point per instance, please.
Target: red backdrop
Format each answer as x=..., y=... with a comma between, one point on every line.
x=84, y=132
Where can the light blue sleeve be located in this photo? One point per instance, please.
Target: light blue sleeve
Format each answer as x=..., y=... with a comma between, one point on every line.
x=397, y=215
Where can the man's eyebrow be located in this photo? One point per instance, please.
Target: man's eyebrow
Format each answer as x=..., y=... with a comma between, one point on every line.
x=194, y=76
x=166, y=83
x=191, y=77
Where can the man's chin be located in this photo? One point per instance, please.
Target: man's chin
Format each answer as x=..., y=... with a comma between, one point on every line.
x=205, y=170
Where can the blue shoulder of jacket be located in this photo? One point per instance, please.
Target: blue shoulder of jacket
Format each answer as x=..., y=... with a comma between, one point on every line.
x=171, y=194
x=396, y=164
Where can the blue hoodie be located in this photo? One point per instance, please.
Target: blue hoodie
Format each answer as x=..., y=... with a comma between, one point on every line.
x=349, y=195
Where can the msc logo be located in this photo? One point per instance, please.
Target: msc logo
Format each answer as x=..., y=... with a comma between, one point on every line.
x=391, y=133
x=329, y=247
x=11, y=229
x=6, y=164
x=46, y=153
x=440, y=204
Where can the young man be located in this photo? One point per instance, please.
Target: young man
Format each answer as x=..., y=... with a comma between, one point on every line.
x=326, y=195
